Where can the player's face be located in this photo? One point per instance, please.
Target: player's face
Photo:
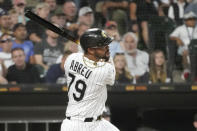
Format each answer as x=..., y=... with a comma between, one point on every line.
x=102, y=52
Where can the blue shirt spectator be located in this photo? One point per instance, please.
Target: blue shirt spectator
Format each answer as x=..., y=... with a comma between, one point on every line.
x=115, y=47
x=20, y=34
x=112, y=30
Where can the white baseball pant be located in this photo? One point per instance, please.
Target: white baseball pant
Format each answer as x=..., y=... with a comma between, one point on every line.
x=78, y=125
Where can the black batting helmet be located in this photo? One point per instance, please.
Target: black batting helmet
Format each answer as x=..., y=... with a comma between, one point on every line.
x=94, y=37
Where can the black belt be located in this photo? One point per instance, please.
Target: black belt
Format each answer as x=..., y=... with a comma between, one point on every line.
x=88, y=119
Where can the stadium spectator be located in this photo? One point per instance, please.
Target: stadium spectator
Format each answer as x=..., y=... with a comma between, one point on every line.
x=86, y=16
x=163, y=7
x=56, y=73
x=59, y=19
x=122, y=73
x=137, y=60
x=71, y=46
x=117, y=11
x=3, y=80
x=82, y=27
x=70, y=11
x=183, y=36
x=5, y=22
x=47, y=52
x=19, y=6
x=20, y=34
x=21, y=72
x=192, y=7
x=5, y=54
x=36, y=31
x=158, y=71
x=141, y=11
x=6, y=4
x=112, y=31
x=54, y=8
x=31, y=4
x=176, y=11
x=14, y=17
x=2, y=73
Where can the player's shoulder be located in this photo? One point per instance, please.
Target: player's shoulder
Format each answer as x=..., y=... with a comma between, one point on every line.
x=75, y=56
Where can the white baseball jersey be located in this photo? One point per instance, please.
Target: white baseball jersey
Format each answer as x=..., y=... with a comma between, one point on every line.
x=87, y=93
x=87, y=85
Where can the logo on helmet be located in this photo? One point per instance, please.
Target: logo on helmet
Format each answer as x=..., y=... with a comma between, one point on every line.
x=103, y=34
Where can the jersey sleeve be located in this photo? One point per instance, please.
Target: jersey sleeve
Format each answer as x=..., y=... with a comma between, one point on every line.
x=110, y=79
x=67, y=63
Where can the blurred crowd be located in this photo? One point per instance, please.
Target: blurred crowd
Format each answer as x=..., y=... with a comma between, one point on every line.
x=155, y=41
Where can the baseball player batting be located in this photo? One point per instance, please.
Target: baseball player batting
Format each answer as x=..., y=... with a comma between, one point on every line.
x=88, y=74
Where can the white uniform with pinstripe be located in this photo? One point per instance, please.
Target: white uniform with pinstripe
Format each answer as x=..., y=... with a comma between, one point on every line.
x=87, y=93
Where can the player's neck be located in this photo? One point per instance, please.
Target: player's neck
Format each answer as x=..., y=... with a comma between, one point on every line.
x=91, y=57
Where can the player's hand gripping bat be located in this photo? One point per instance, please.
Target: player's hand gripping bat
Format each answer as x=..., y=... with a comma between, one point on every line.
x=63, y=32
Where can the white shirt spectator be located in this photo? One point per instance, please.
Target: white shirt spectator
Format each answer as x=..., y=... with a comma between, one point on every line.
x=7, y=58
x=181, y=10
x=186, y=34
x=114, y=47
x=139, y=64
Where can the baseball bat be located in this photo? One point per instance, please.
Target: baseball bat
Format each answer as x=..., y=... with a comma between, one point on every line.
x=62, y=32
